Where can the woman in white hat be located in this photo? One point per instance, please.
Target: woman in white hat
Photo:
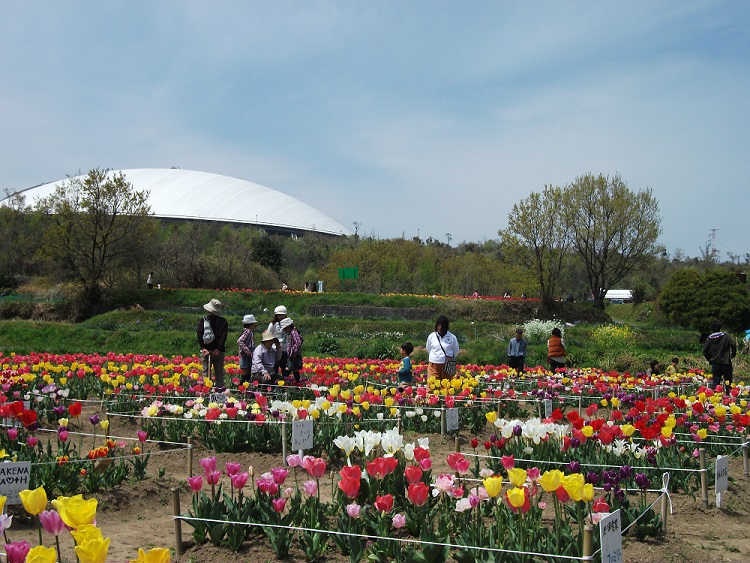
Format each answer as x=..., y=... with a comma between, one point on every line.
x=212, y=338
x=265, y=357
x=274, y=327
x=246, y=343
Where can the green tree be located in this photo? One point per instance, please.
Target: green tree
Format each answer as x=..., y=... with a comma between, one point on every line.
x=98, y=223
x=537, y=238
x=614, y=230
x=267, y=251
x=693, y=299
x=20, y=238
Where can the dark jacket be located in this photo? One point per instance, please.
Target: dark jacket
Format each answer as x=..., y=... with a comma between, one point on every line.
x=719, y=348
x=221, y=330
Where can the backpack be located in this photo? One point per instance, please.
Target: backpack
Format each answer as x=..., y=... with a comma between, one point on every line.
x=208, y=332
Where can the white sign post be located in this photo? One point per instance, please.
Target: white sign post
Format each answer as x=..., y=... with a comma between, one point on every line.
x=302, y=434
x=547, y=408
x=610, y=534
x=14, y=477
x=451, y=420
x=722, y=477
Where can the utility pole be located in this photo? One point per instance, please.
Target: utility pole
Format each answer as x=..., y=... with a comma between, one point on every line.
x=357, y=225
x=449, y=237
x=713, y=241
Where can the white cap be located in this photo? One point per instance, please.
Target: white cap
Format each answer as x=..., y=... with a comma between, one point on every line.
x=248, y=320
x=280, y=310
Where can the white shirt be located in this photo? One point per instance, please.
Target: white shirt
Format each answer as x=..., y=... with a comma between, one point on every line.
x=282, y=335
x=435, y=352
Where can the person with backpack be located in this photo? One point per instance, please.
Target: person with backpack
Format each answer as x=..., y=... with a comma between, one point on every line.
x=212, y=337
x=719, y=349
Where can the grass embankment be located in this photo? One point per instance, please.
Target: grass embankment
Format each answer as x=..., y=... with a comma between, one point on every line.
x=164, y=322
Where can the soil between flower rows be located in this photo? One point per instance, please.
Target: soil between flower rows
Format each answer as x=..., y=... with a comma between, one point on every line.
x=139, y=514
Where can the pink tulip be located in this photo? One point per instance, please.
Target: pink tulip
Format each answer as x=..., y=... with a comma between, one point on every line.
x=239, y=480
x=279, y=475
x=533, y=474
x=51, y=522
x=5, y=522
x=142, y=436
x=508, y=462
x=32, y=441
x=208, y=464
x=16, y=551
x=196, y=483
x=399, y=521
x=310, y=488
x=425, y=464
x=233, y=468
x=62, y=434
x=315, y=466
x=278, y=504
x=12, y=433
x=353, y=510
x=293, y=460
x=213, y=477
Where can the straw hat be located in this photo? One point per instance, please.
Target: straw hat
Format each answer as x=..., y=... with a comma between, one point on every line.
x=214, y=306
x=267, y=336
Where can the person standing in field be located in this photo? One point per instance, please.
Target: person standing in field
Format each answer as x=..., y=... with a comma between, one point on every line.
x=293, y=348
x=442, y=345
x=212, y=337
x=274, y=327
x=517, y=352
x=246, y=344
x=719, y=349
x=556, y=350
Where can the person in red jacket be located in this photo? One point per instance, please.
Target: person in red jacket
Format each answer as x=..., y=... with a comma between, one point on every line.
x=556, y=350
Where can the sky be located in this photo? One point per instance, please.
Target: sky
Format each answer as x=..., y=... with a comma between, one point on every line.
x=419, y=118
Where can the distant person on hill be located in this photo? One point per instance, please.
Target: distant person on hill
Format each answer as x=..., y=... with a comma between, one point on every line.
x=442, y=345
x=150, y=280
x=294, y=347
x=556, y=350
x=672, y=368
x=719, y=349
x=307, y=287
x=517, y=352
x=212, y=337
x=246, y=343
x=405, y=374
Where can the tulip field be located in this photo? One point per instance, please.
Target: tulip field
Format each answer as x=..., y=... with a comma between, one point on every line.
x=491, y=465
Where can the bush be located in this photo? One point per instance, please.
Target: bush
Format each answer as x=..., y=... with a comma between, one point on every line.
x=613, y=337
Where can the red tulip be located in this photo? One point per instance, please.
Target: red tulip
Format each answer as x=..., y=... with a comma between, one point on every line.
x=417, y=493
x=315, y=466
x=413, y=474
x=384, y=503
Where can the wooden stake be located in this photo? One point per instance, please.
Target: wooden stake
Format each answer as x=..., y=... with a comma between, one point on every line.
x=177, y=521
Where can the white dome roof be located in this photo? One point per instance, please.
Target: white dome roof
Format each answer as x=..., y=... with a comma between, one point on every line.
x=191, y=195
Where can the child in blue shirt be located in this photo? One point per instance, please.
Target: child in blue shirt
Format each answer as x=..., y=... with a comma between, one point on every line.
x=404, y=369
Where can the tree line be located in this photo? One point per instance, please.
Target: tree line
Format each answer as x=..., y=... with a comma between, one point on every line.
x=97, y=232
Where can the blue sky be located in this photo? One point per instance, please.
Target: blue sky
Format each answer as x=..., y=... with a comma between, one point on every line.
x=431, y=117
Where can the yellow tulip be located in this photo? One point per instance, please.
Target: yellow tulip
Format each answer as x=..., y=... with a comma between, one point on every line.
x=588, y=492
x=104, y=424
x=155, y=555
x=516, y=497
x=702, y=433
x=34, y=501
x=2, y=503
x=62, y=422
x=550, y=480
x=75, y=511
x=41, y=554
x=627, y=429
x=517, y=476
x=493, y=485
x=573, y=485
x=93, y=551
x=86, y=532
x=587, y=431
x=491, y=417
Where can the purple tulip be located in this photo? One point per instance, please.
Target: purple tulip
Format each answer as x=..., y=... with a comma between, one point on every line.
x=94, y=419
x=625, y=471
x=59, y=410
x=574, y=466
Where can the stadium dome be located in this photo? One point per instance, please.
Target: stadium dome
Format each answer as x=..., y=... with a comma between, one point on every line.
x=187, y=195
